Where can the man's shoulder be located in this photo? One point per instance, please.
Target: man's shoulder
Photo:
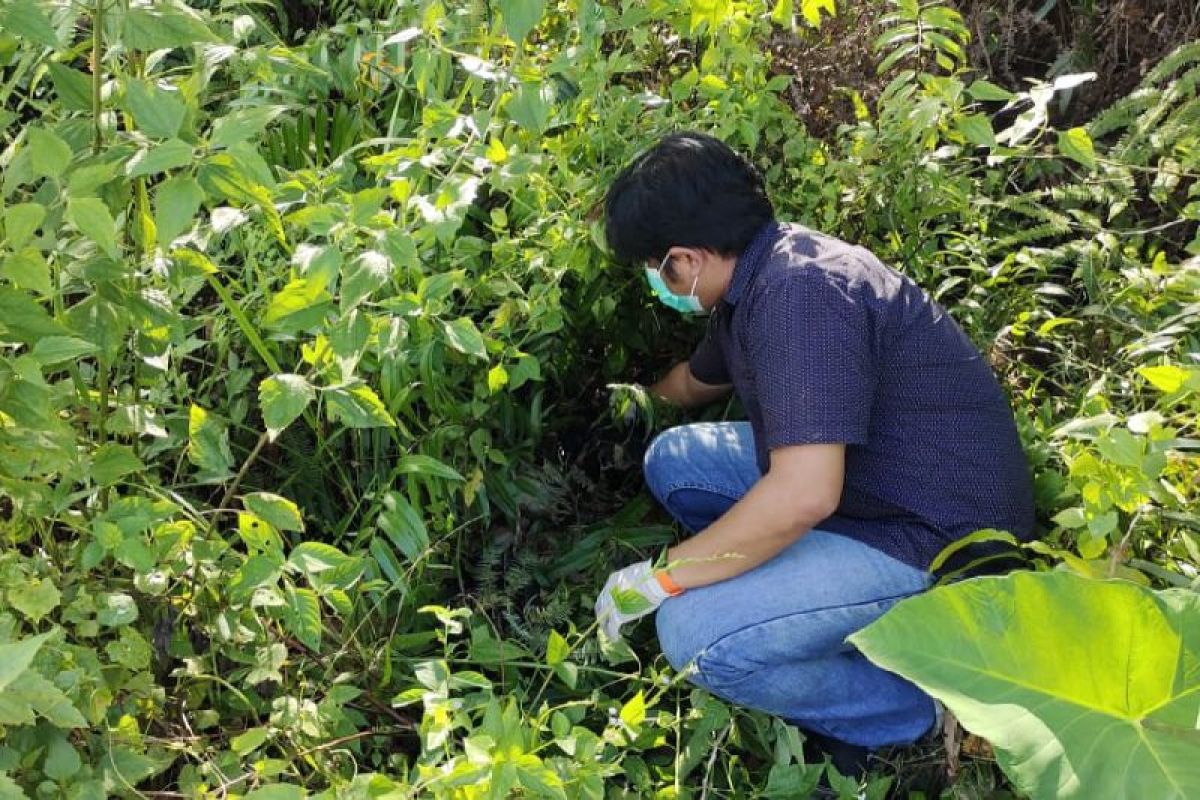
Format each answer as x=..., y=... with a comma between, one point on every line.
x=803, y=255
x=798, y=244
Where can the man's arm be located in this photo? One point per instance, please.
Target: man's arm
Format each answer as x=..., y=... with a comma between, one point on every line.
x=802, y=487
x=680, y=387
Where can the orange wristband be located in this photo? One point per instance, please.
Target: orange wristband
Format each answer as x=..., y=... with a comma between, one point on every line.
x=669, y=586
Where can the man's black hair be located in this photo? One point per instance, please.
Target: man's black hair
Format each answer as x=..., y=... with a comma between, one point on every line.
x=688, y=190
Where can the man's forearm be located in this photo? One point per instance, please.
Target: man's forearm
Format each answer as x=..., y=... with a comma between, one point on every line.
x=673, y=387
x=765, y=521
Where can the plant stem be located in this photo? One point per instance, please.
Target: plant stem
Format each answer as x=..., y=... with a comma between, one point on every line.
x=97, y=74
x=237, y=480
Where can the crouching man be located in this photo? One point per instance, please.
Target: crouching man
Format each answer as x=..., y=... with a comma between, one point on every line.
x=877, y=435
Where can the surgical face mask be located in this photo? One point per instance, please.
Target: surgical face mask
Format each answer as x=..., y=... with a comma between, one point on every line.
x=684, y=305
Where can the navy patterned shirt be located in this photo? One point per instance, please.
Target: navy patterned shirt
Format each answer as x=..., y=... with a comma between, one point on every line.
x=824, y=343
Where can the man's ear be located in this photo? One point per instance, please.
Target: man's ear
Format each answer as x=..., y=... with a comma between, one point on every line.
x=685, y=263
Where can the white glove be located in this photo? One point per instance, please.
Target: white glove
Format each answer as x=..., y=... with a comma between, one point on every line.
x=629, y=594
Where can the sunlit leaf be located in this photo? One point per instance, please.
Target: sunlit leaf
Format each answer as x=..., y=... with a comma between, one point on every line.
x=157, y=112
x=25, y=18
x=1085, y=688
x=279, y=511
x=521, y=16
x=1077, y=145
x=358, y=407
x=283, y=398
x=463, y=336
x=49, y=155
x=208, y=442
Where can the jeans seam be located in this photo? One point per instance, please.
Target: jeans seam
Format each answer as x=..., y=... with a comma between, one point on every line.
x=708, y=648
x=707, y=487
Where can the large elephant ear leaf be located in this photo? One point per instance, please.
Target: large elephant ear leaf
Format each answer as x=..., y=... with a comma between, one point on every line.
x=1085, y=688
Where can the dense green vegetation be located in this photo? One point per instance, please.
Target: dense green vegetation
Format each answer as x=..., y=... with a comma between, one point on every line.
x=307, y=474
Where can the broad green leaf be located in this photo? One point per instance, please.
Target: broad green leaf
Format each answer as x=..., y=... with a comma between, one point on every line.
x=176, y=202
x=34, y=598
x=62, y=759
x=134, y=553
x=527, y=368
x=557, y=648
x=359, y=407
x=208, y=442
x=91, y=216
x=260, y=569
x=26, y=19
x=157, y=112
x=363, y=276
x=988, y=91
x=15, y=657
x=1076, y=145
x=283, y=398
x=162, y=157
x=74, y=88
x=276, y=791
x=464, y=337
x=487, y=650
x=497, y=378
x=116, y=609
x=783, y=13
x=98, y=320
x=241, y=124
x=298, y=305
x=1166, y=378
x=34, y=694
x=258, y=534
x=23, y=319
x=162, y=25
x=427, y=465
x=28, y=269
x=496, y=152
x=303, y=616
x=10, y=789
x=318, y=264
x=315, y=557
x=976, y=129
x=629, y=601
x=530, y=106
x=48, y=154
x=112, y=462
x=1085, y=688
x=403, y=526
x=130, y=650
x=521, y=16
x=633, y=711
x=249, y=741
x=811, y=10
x=56, y=349
x=1071, y=518
x=279, y=511
x=20, y=222
x=713, y=13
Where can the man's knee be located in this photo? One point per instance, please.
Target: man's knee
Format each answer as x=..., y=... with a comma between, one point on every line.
x=665, y=451
x=678, y=635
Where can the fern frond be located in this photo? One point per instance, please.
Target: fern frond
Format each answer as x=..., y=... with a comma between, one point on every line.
x=1182, y=56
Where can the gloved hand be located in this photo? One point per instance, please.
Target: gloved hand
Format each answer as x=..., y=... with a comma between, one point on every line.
x=631, y=593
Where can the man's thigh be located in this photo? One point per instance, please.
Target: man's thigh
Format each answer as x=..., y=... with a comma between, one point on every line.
x=800, y=605
x=698, y=471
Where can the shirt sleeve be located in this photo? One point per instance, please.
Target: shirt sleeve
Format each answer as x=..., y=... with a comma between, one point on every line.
x=809, y=350
x=707, y=363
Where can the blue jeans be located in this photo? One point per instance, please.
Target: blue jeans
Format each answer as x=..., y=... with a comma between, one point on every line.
x=773, y=638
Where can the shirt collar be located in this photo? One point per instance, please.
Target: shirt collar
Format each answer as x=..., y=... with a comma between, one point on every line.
x=750, y=260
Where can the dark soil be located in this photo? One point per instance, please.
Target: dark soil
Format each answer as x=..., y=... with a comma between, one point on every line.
x=1012, y=41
